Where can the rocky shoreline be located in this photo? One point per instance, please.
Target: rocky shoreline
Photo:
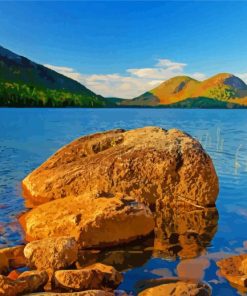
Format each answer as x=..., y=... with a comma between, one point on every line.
x=110, y=189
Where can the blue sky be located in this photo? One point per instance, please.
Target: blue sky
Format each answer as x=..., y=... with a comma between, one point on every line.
x=124, y=48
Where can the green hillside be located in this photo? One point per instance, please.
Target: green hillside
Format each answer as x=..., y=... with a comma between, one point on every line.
x=220, y=91
x=25, y=83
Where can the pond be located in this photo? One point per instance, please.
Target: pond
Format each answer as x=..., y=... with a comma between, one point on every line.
x=29, y=136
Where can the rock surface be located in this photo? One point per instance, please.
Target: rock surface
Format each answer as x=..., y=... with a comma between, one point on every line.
x=234, y=269
x=147, y=164
x=15, y=256
x=96, y=276
x=4, y=264
x=28, y=282
x=178, y=288
x=9, y=287
x=94, y=222
x=51, y=253
x=84, y=293
x=35, y=279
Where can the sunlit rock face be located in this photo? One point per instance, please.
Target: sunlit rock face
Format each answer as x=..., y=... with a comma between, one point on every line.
x=234, y=269
x=183, y=230
x=94, y=222
x=146, y=164
x=172, y=287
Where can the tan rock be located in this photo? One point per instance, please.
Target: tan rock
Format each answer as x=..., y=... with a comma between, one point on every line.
x=35, y=279
x=112, y=278
x=234, y=269
x=243, y=266
x=4, y=264
x=96, y=276
x=14, y=274
x=94, y=222
x=51, y=253
x=15, y=256
x=9, y=287
x=83, y=293
x=146, y=164
x=178, y=288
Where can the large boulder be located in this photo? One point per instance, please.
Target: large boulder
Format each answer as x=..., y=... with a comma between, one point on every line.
x=234, y=269
x=52, y=253
x=96, y=276
x=147, y=164
x=94, y=222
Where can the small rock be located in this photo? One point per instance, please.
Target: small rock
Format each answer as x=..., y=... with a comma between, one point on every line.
x=96, y=276
x=84, y=293
x=51, y=253
x=4, y=264
x=14, y=274
x=185, y=288
x=9, y=287
x=27, y=282
x=35, y=279
x=15, y=256
x=234, y=269
x=112, y=278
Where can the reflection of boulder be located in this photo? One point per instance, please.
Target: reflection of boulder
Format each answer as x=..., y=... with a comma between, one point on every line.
x=183, y=230
x=122, y=258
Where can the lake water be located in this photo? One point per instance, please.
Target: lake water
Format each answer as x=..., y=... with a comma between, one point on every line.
x=29, y=136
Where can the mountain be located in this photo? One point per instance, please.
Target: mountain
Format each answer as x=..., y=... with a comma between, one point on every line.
x=220, y=91
x=25, y=83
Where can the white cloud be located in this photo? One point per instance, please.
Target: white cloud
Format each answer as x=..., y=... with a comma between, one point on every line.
x=135, y=82
x=242, y=76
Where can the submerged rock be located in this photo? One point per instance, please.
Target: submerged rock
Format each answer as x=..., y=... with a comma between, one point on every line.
x=234, y=269
x=51, y=253
x=94, y=222
x=147, y=164
x=96, y=276
x=175, y=287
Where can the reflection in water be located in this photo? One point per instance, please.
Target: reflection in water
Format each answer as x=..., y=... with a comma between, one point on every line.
x=122, y=257
x=184, y=230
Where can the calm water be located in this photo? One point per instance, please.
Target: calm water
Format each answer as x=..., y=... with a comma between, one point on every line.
x=29, y=136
